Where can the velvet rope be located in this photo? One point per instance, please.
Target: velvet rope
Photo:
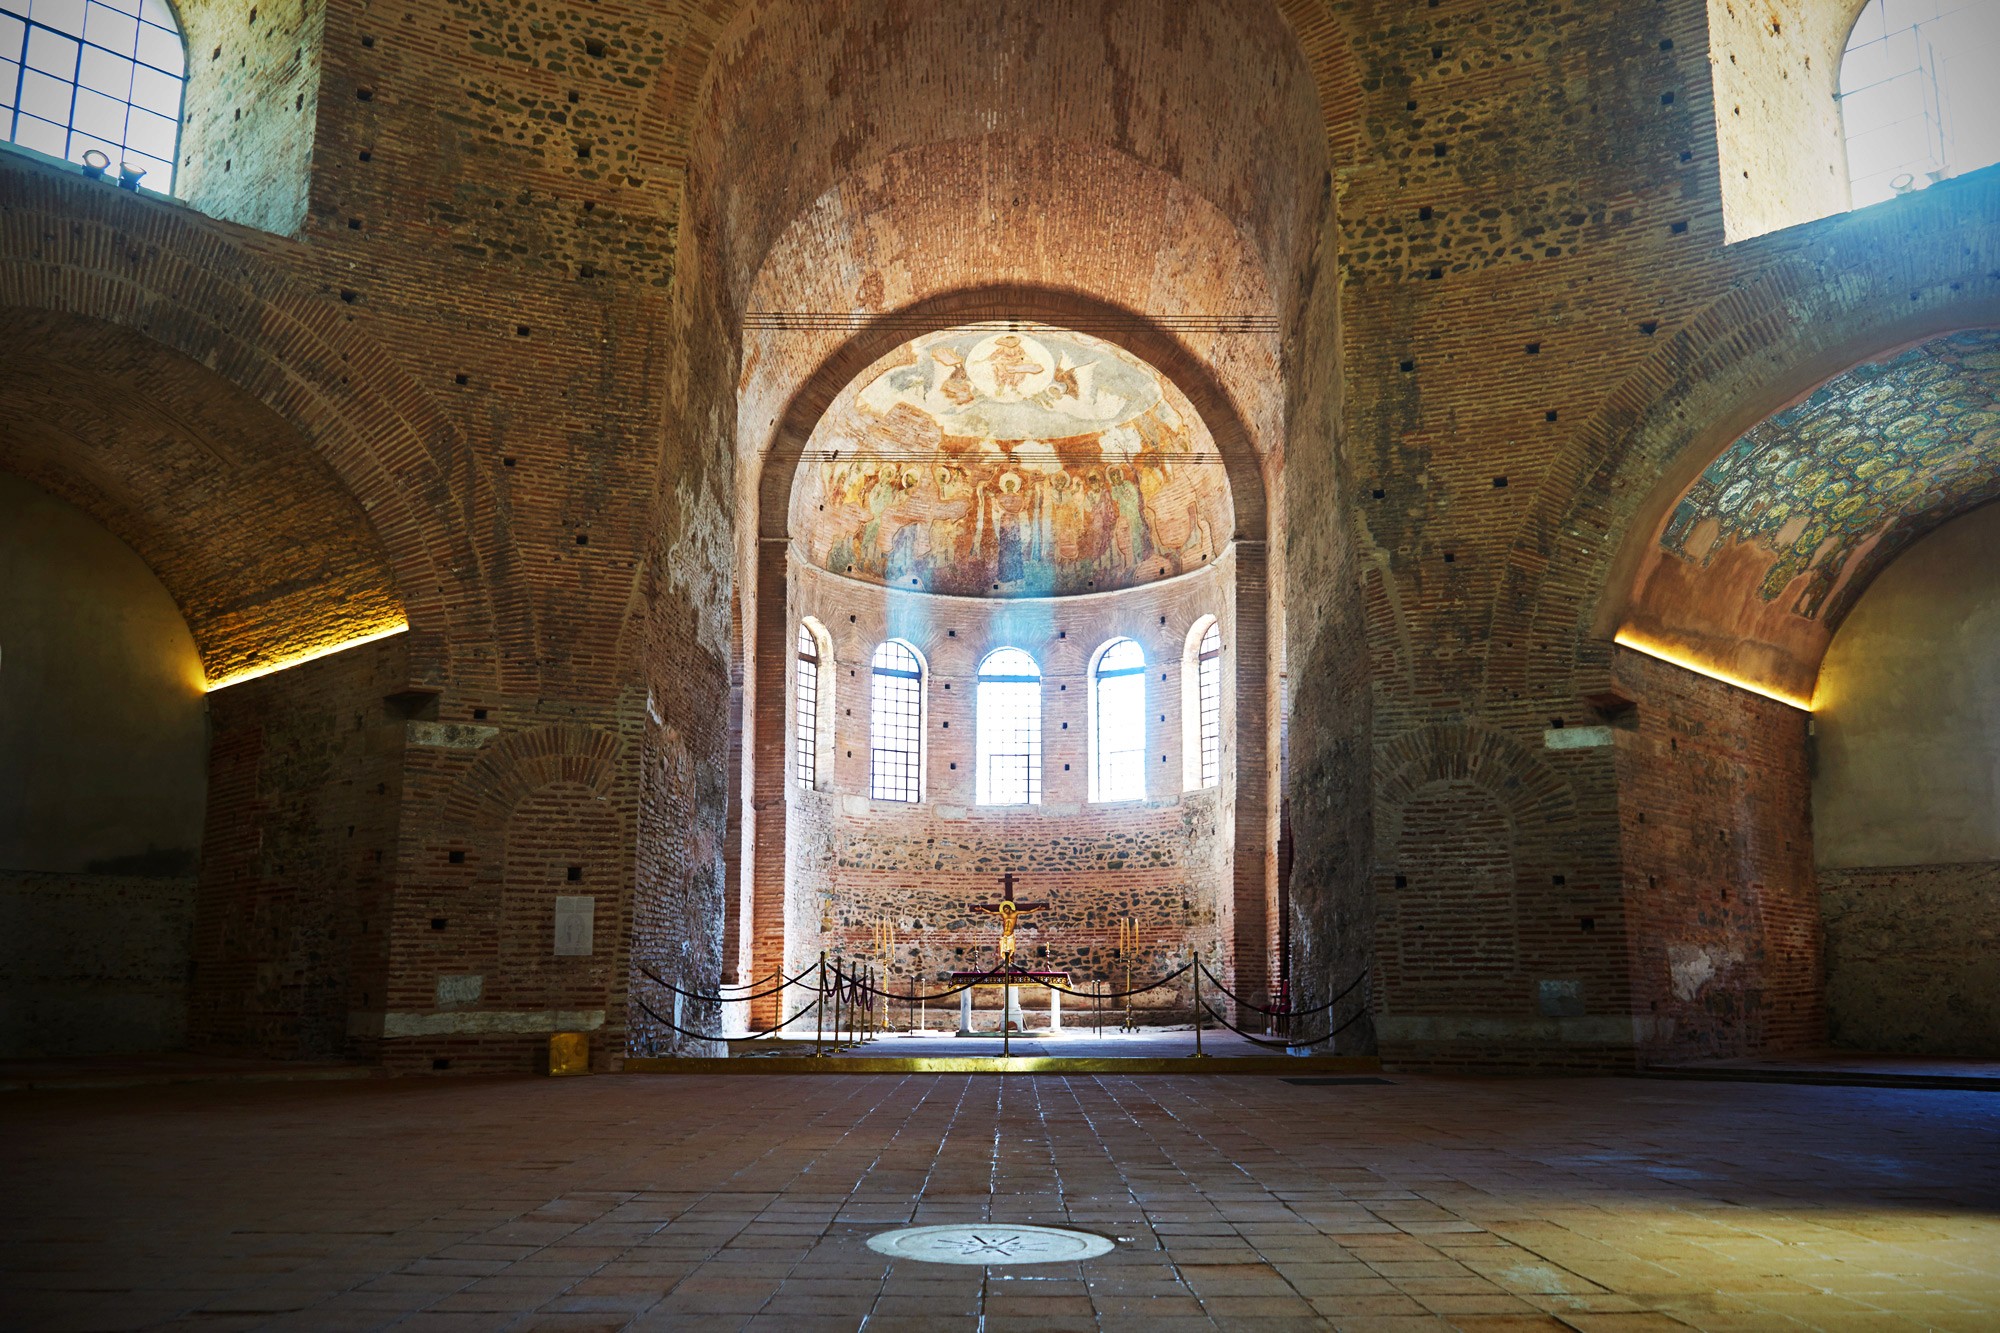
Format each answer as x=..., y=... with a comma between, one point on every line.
x=703, y=1036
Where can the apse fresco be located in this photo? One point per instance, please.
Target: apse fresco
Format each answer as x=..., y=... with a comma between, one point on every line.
x=1011, y=461
x=1762, y=557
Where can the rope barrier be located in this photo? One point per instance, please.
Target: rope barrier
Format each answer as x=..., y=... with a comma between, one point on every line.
x=703, y=1036
x=1117, y=994
x=856, y=990
x=1001, y=975
x=1285, y=1013
x=659, y=980
x=1290, y=1044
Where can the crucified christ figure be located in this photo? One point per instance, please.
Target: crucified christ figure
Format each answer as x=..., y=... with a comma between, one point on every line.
x=1010, y=913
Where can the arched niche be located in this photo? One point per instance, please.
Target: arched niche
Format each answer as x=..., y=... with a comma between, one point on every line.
x=1754, y=561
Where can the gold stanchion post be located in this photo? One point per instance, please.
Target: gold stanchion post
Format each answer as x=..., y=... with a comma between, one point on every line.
x=1128, y=944
x=819, y=1010
x=1199, y=1007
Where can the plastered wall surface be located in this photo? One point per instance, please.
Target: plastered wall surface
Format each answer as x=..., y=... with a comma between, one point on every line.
x=1906, y=800
x=103, y=727
x=1907, y=712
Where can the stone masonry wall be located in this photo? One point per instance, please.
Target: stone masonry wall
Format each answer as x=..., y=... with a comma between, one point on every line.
x=1909, y=958
x=93, y=964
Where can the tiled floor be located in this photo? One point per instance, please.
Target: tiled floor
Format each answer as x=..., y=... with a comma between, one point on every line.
x=652, y=1202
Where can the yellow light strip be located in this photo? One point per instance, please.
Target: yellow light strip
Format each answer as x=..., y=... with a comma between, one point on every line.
x=303, y=658
x=1627, y=639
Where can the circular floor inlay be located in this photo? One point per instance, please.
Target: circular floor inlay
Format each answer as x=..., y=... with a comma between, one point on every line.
x=997, y=1243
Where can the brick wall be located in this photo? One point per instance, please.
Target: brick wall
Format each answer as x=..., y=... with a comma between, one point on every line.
x=1721, y=909
x=295, y=907
x=523, y=364
x=252, y=108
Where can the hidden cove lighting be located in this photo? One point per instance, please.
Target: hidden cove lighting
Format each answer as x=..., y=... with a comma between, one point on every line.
x=1627, y=639
x=311, y=655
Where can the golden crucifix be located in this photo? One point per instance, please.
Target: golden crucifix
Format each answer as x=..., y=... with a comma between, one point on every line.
x=1010, y=913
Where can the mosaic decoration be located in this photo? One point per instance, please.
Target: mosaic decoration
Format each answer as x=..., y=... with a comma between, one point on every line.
x=1836, y=487
x=997, y=461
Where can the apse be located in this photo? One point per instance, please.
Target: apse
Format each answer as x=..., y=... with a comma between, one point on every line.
x=1011, y=590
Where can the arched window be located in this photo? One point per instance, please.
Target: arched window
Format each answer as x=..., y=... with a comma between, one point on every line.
x=1010, y=729
x=1201, y=705
x=1118, y=723
x=896, y=771
x=103, y=75
x=812, y=705
x=1918, y=100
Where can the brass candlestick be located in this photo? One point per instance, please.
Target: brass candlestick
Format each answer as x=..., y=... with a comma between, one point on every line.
x=1128, y=944
x=885, y=942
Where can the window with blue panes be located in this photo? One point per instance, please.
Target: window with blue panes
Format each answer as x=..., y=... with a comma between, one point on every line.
x=77, y=75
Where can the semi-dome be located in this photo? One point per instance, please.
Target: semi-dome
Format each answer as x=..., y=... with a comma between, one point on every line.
x=1011, y=460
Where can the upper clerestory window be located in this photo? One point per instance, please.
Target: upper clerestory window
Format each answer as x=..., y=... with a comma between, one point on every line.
x=1828, y=105
x=103, y=76
x=1918, y=98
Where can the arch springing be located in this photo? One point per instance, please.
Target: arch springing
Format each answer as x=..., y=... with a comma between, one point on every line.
x=1118, y=722
x=896, y=767
x=78, y=76
x=1009, y=743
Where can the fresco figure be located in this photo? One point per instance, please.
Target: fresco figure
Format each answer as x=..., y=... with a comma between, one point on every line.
x=1012, y=366
x=1030, y=461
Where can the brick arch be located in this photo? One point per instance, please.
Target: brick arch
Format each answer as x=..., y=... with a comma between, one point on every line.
x=702, y=55
x=1531, y=793
x=513, y=768
x=267, y=555
x=1749, y=353
x=75, y=248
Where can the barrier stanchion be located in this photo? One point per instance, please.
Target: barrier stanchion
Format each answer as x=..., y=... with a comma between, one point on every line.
x=819, y=1020
x=1006, y=1029
x=1198, y=970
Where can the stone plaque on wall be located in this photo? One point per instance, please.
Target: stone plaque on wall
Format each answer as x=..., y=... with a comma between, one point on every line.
x=576, y=919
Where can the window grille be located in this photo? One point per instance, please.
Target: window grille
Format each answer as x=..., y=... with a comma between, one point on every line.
x=897, y=770
x=1119, y=735
x=1010, y=729
x=807, y=743
x=1917, y=100
x=77, y=75
x=1208, y=675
